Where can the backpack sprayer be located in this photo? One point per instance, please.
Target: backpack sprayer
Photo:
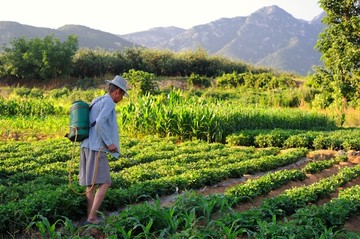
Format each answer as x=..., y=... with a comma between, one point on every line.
x=79, y=121
x=79, y=130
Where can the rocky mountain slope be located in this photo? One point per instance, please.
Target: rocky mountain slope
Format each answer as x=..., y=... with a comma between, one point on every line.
x=269, y=37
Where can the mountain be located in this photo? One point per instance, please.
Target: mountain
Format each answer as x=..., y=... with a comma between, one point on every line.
x=88, y=38
x=269, y=37
x=154, y=36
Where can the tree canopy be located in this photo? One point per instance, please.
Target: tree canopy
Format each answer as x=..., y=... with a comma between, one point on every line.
x=339, y=44
x=39, y=58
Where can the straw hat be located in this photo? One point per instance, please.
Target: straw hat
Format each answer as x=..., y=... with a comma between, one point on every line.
x=119, y=82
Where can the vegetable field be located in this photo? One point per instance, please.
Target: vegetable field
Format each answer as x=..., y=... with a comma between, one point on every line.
x=186, y=171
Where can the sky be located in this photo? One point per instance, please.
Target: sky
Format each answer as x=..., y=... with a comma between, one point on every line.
x=129, y=16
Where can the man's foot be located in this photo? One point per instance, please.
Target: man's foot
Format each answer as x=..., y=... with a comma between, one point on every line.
x=92, y=222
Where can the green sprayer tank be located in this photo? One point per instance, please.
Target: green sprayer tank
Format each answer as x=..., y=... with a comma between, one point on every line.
x=79, y=121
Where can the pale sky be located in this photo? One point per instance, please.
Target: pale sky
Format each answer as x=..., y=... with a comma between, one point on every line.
x=129, y=16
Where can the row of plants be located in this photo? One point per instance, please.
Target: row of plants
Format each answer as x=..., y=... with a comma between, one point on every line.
x=341, y=139
x=263, y=185
x=262, y=81
x=314, y=221
x=32, y=107
x=196, y=178
x=187, y=118
x=213, y=216
x=34, y=175
x=290, y=201
x=172, y=114
x=256, y=222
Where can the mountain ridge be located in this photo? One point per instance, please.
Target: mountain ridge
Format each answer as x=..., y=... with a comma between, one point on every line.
x=269, y=37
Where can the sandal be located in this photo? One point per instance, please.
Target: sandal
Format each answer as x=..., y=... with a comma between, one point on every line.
x=96, y=222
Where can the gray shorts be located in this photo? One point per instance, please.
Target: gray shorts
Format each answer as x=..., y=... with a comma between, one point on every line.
x=88, y=165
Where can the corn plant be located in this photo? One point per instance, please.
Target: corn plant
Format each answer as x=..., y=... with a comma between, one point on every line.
x=46, y=229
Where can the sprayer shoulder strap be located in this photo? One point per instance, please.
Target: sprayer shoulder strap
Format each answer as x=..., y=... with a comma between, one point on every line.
x=91, y=105
x=97, y=100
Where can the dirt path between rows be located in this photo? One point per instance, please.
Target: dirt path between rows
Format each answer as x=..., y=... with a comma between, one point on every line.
x=352, y=224
x=220, y=188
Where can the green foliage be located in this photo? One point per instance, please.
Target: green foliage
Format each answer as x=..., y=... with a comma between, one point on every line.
x=174, y=114
x=89, y=63
x=267, y=89
x=30, y=107
x=301, y=139
x=36, y=182
x=340, y=48
x=25, y=59
x=46, y=229
x=243, y=139
x=263, y=185
x=59, y=93
x=27, y=92
x=85, y=95
x=318, y=166
x=31, y=167
x=39, y=58
x=341, y=139
x=230, y=80
x=220, y=94
x=142, y=82
x=198, y=81
x=261, y=81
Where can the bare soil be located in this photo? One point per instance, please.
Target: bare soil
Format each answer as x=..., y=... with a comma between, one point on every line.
x=354, y=158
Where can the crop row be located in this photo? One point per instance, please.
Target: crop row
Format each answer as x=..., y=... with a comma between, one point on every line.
x=194, y=117
x=212, y=216
x=198, y=178
x=29, y=107
x=346, y=139
x=34, y=178
x=293, y=199
x=167, y=114
x=194, y=214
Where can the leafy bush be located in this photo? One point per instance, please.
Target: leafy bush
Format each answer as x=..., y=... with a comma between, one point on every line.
x=30, y=107
x=351, y=144
x=230, y=80
x=241, y=139
x=300, y=140
x=58, y=93
x=142, y=81
x=326, y=141
x=22, y=91
x=198, y=81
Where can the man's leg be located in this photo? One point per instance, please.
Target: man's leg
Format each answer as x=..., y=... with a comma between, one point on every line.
x=90, y=195
x=96, y=200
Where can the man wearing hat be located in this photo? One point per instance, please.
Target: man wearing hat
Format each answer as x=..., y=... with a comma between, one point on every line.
x=103, y=138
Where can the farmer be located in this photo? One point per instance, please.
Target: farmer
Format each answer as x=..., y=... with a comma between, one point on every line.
x=103, y=138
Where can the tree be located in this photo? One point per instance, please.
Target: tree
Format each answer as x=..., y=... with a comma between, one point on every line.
x=339, y=44
x=39, y=58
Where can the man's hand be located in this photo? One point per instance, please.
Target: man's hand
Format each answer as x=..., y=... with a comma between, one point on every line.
x=112, y=148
